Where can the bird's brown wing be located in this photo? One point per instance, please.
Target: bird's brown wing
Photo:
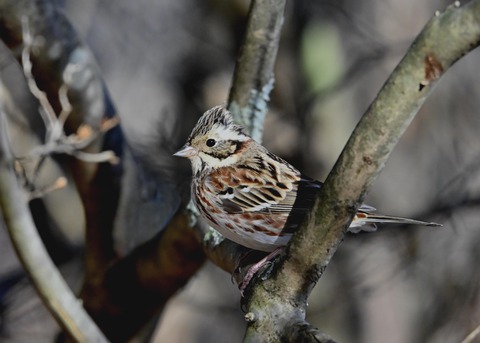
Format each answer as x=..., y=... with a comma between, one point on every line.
x=263, y=185
x=248, y=189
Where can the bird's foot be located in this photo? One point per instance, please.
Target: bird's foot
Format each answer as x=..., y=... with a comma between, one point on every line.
x=242, y=286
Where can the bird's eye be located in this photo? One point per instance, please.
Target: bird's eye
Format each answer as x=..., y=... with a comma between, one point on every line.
x=210, y=142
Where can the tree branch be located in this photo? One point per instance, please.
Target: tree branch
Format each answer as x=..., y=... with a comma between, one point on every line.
x=69, y=77
x=50, y=285
x=120, y=294
x=253, y=78
x=472, y=335
x=447, y=37
x=136, y=287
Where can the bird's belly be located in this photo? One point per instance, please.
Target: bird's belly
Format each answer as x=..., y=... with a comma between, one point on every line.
x=252, y=230
x=255, y=230
x=253, y=234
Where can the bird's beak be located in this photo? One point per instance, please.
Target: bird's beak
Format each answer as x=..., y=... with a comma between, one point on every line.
x=186, y=151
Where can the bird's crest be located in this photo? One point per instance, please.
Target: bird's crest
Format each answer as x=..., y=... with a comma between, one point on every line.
x=216, y=118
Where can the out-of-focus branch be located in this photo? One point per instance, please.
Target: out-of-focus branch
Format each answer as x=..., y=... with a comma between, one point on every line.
x=472, y=335
x=38, y=32
x=63, y=76
x=446, y=38
x=56, y=139
x=56, y=294
x=253, y=78
x=120, y=294
x=137, y=287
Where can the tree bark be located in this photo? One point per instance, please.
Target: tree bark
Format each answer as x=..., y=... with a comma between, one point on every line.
x=279, y=303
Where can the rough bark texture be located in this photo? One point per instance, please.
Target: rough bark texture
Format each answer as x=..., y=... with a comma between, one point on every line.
x=280, y=301
x=253, y=78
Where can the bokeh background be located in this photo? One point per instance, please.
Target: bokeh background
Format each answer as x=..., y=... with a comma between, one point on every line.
x=165, y=62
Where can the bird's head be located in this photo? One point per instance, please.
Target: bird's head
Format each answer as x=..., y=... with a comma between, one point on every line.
x=216, y=141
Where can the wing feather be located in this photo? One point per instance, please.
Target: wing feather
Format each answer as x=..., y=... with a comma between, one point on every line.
x=283, y=192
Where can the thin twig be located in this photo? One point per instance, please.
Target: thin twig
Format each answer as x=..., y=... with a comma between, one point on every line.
x=48, y=282
x=46, y=110
x=56, y=142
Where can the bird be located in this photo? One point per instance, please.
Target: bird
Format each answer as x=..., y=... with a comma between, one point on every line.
x=250, y=195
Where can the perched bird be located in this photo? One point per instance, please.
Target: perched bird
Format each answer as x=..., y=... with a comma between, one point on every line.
x=250, y=195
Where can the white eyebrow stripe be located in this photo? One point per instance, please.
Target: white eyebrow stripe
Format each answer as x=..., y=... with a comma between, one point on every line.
x=225, y=134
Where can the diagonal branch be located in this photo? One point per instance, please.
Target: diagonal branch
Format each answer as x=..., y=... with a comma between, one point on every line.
x=121, y=294
x=446, y=38
x=71, y=78
x=137, y=287
x=472, y=335
x=52, y=288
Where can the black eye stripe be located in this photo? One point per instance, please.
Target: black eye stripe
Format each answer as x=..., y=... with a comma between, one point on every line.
x=222, y=149
x=217, y=155
x=238, y=145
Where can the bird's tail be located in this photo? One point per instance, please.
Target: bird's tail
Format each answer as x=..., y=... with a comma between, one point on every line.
x=364, y=220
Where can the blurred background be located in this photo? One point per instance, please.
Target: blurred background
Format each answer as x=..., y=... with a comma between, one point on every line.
x=166, y=62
